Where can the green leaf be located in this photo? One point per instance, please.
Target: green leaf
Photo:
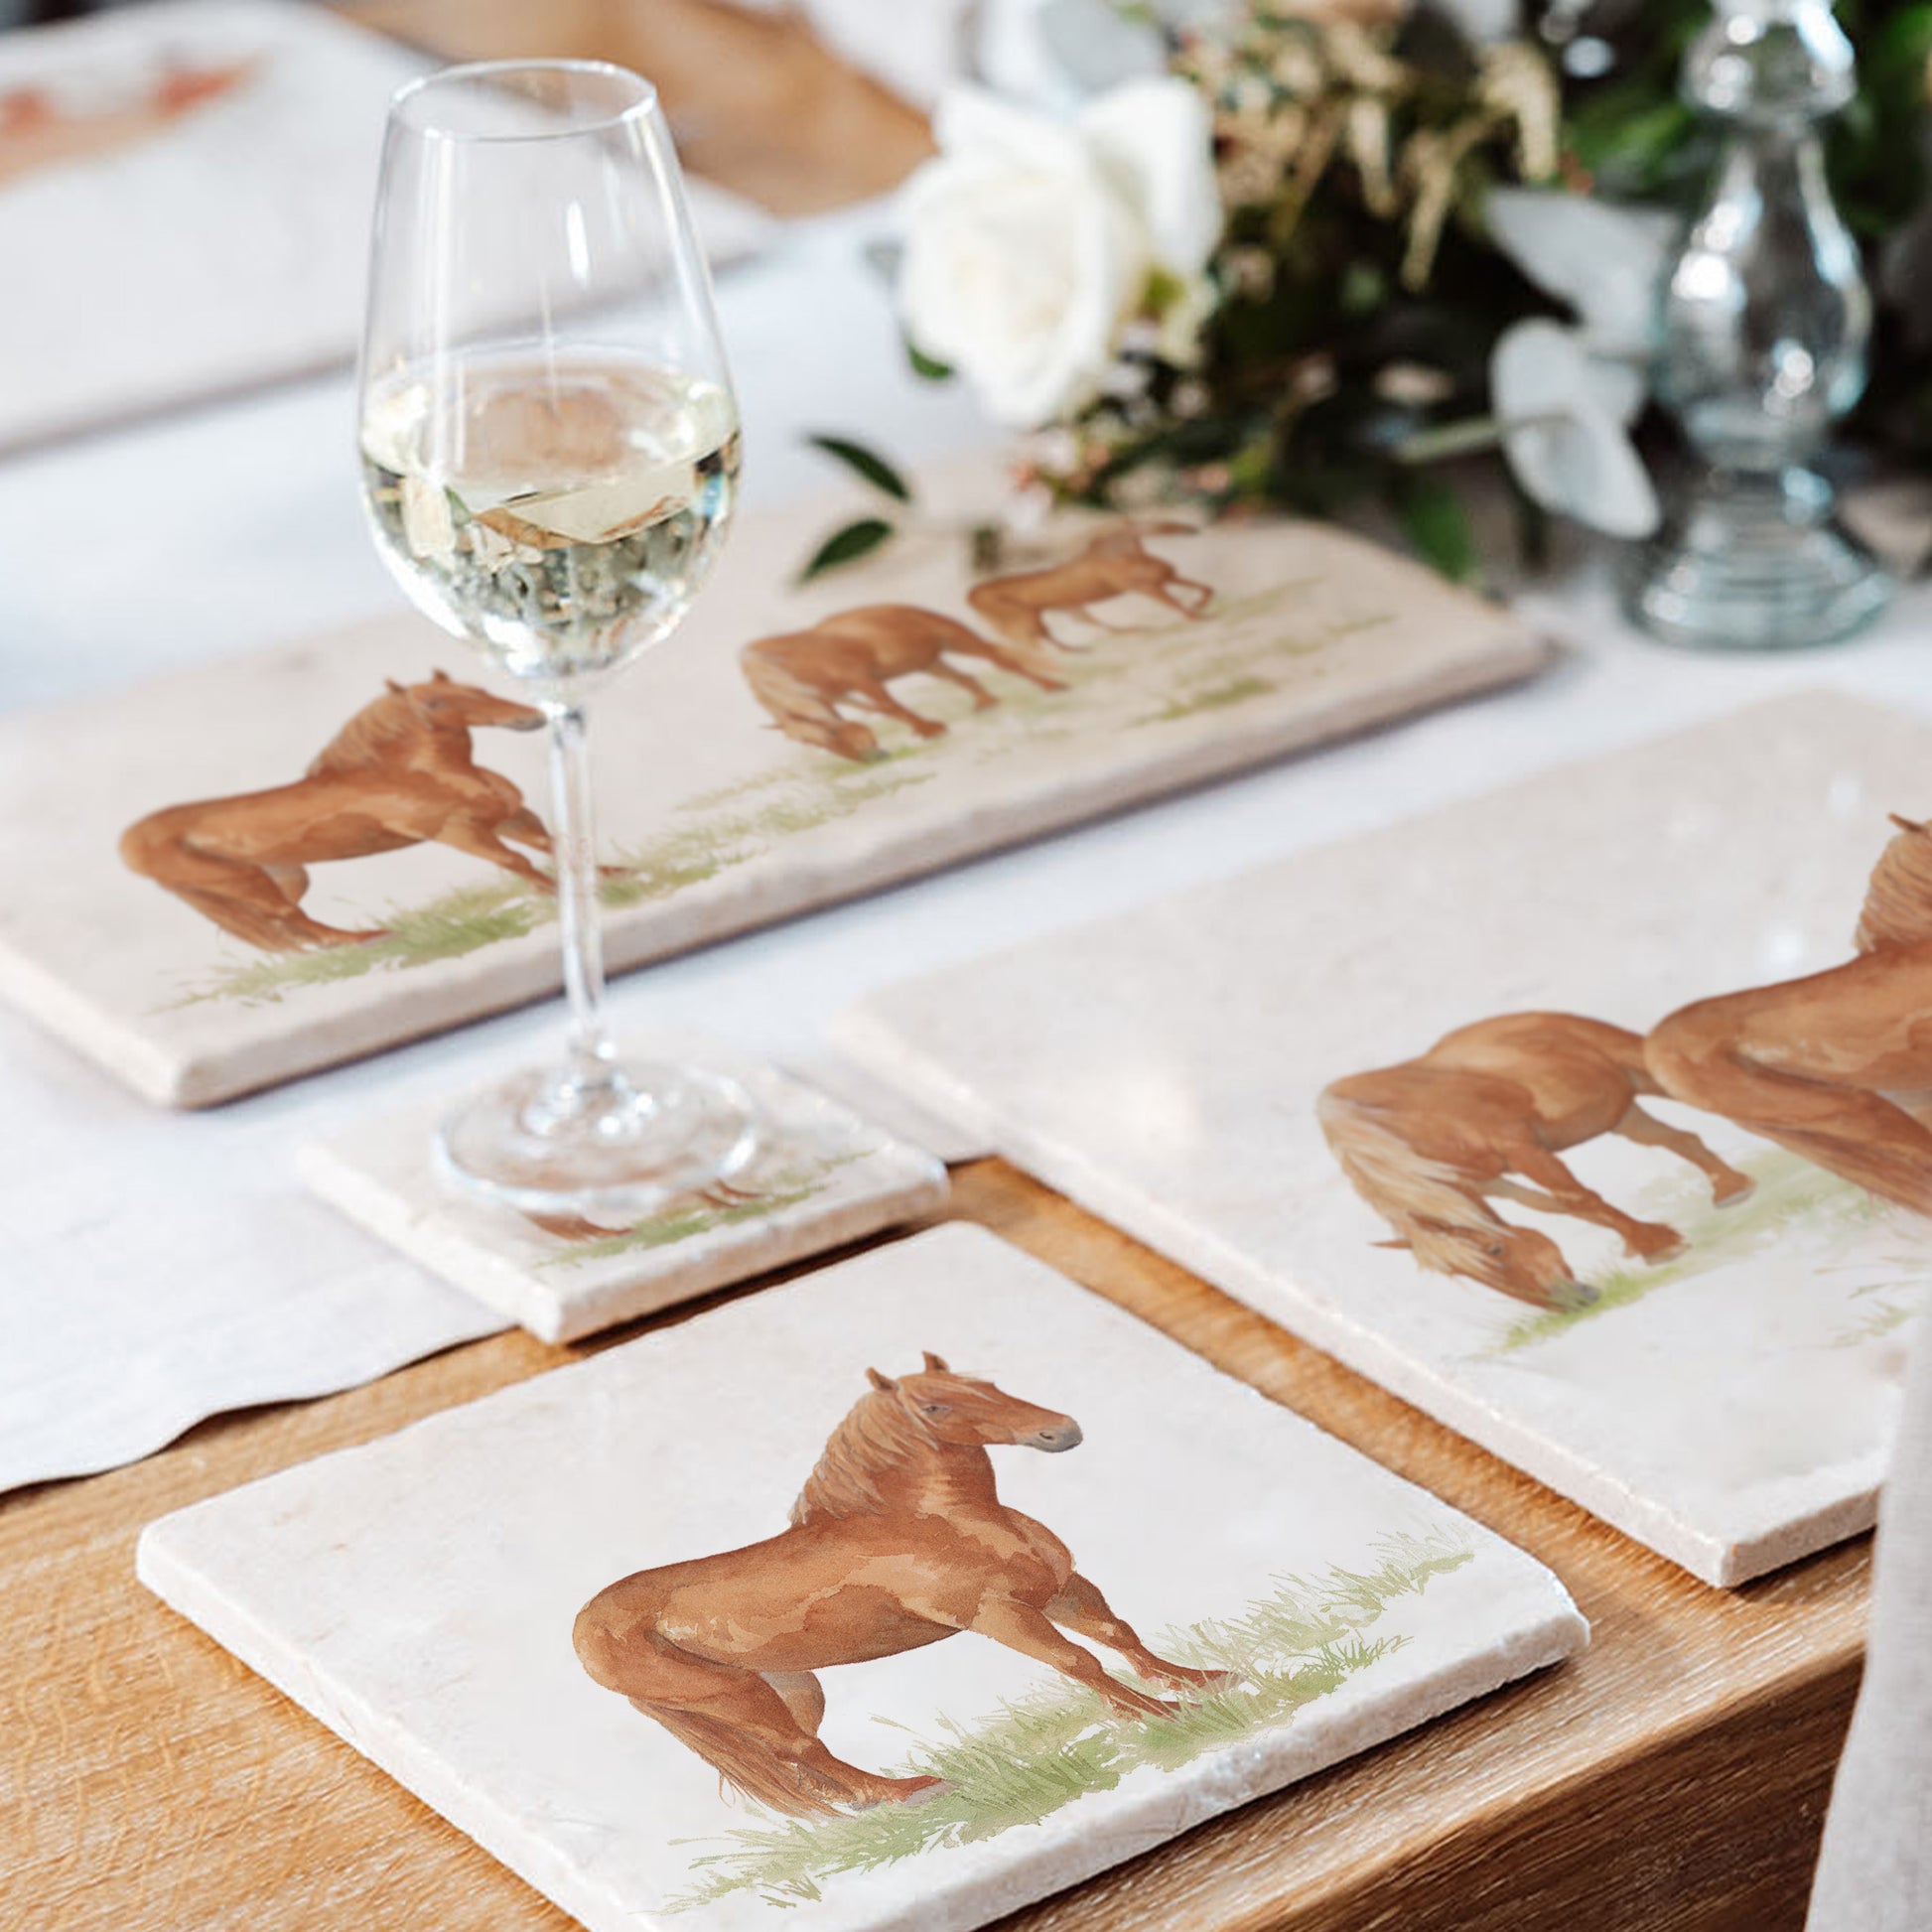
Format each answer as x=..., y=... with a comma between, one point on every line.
x=1434, y=522
x=875, y=468
x=845, y=546
x=926, y=365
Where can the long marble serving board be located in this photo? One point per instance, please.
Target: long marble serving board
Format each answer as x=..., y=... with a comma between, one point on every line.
x=888, y=1707
x=175, y=899
x=1430, y=1098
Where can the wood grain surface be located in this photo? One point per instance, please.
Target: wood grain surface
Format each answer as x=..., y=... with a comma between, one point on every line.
x=755, y=102
x=1672, y=1777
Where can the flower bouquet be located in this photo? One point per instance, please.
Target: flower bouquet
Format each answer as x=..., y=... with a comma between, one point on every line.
x=1315, y=257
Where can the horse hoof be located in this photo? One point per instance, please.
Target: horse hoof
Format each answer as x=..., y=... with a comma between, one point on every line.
x=1572, y=1297
x=1730, y=1196
x=1656, y=1257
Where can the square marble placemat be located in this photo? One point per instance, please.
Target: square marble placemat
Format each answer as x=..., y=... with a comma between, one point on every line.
x=192, y=894
x=419, y=1595
x=1729, y=1395
x=821, y=1177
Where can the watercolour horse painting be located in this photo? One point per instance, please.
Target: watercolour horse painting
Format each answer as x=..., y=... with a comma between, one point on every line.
x=802, y=677
x=1430, y=1143
x=1116, y=563
x=400, y=772
x=897, y=1540
x=1836, y=1067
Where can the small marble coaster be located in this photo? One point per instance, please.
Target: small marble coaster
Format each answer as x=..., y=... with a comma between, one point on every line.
x=906, y=1592
x=822, y=1177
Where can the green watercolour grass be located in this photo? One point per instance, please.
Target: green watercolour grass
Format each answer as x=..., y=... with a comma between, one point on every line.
x=1216, y=697
x=1792, y=1195
x=727, y=826
x=1885, y=1306
x=1039, y=1753
x=692, y=1216
x=473, y=916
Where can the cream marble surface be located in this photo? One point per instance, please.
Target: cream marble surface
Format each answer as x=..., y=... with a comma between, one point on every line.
x=417, y=1593
x=1162, y=1066
x=820, y=1176
x=718, y=820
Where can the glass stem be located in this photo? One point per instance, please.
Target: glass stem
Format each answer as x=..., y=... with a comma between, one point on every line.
x=589, y=1079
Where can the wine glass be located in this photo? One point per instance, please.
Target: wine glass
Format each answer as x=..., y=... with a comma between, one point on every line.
x=549, y=447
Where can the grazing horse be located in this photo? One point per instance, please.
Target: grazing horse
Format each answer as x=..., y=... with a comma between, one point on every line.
x=398, y=773
x=897, y=1540
x=802, y=676
x=1116, y=563
x=1427, y=1144
x=1836, y=1066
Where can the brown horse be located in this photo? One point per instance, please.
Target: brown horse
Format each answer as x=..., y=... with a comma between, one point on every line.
x=1427, y=1144
x=897, y=1540
x=398, y=773
x=1117, y=562
x=803, y=676
x=1836, y=1066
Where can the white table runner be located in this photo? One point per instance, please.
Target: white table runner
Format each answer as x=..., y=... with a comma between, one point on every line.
x=104, y=1193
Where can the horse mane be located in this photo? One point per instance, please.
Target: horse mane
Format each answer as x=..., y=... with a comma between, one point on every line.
x=877, y=1434
x=1897, y=907
x=1420, y=1198
x=369, y=737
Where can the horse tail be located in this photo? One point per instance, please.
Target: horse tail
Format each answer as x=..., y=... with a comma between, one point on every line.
x=1410, y=1190
x=745, y=1763
x=779, y=690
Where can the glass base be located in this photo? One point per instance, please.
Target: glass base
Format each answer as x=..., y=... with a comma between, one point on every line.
x=617, y=1151
x=1756, y=563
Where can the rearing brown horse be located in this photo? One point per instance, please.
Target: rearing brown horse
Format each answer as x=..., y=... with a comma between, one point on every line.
x=897, y=1540
x=400, y=772
x=1836, y=1067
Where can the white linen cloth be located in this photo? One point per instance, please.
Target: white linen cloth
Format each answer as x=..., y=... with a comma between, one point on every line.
x=154, y=1267
x=1875, y=1870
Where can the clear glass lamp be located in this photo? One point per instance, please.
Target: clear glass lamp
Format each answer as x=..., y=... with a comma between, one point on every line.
x=1765, y=324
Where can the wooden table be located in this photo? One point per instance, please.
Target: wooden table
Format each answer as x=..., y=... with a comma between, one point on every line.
x=1675, y=1777
x=755, y=103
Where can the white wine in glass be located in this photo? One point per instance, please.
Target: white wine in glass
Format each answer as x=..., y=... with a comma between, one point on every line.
x=549, y=446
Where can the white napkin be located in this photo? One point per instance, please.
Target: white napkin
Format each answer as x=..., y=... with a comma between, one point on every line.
x=1876, y=1871
x=158, y=1268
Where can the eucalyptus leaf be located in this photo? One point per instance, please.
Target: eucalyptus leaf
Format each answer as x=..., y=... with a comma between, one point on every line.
x=847, y=545
x=1434, y=522
x=866, y=462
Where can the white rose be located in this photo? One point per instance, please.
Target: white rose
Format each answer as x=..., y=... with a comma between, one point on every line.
x=1030, y=242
